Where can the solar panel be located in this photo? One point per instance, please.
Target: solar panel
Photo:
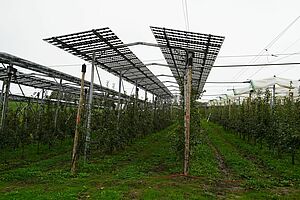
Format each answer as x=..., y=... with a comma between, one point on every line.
x=104, y=43
x=206, y=48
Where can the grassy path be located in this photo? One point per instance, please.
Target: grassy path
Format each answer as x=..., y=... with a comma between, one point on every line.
x=259, y=174
x=221, y=168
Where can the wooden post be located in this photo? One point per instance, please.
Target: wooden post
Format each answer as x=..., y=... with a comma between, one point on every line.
x=76, y=136
x=89, y=114
x=187, y=118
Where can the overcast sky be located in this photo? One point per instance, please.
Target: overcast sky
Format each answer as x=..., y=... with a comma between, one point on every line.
x=248, y=26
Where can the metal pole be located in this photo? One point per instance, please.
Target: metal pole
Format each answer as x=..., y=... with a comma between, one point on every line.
x=89, y=117
x=187, y=91
x=76, y=136
x=58, y=103
x=5, y=98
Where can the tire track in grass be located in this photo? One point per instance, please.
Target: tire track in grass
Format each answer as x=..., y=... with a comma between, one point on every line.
x=252, y=176
x=281, y=176
x=272, y=181
x=227, y=184
x=221, y=162
x=249, y=156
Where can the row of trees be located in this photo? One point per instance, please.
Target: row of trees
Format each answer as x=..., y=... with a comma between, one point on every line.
x=135, y=120
x=48, y=123
x=33, y=122
x=256, y=121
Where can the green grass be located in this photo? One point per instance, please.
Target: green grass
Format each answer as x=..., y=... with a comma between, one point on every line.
x=142, y=170
x=147, y=169
x=203, y=162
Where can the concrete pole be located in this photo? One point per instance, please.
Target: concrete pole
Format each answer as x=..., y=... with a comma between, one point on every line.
x=40, y=109
x=119, y=106
x=145, y=103
x=171, y=110
x=89, y=116
x=2, y=92
x=136, y=91
x=58, y=104
x=229, y=108
x=153, y=99
x=5, y=98
x=291, y=94
x=76, y=136
x=272, y=104
x=187, y=118
x=119, y=97
x=136, y=94
x=273, y=97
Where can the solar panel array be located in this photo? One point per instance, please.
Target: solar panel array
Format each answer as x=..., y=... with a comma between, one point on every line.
x=42, y=75
x=206, y=48
x=104, y=43
x=25, y=64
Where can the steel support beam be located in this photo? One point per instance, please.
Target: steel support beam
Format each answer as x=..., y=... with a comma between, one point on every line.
x=172, y=56
x=152, y=45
